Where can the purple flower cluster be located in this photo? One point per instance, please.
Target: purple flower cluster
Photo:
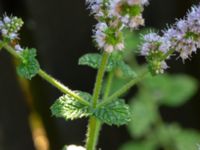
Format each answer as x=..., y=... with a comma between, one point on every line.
x=183, y=37
x=112, y=17
x=9, y=27
x=129, y=12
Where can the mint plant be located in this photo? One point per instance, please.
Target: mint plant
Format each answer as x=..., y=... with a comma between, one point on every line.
x=105, y=105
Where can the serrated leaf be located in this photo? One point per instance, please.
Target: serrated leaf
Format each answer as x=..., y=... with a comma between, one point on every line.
x=144, y=115
x=84, y=95
x=91, y=60
x=115, y=113
x=171, y=90
x=94, y=61
x=115, y=62
x=29, y=65
x=68, y=108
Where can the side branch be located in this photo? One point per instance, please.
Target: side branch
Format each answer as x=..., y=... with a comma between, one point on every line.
x=47, y=77
x=125, y=88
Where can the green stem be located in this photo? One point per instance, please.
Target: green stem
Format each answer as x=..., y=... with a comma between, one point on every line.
x=108, y=85
x=94, y=124
x=61, y=87
x=94, y=127
x=11, y=51
x=125, y=88
x=48, y=78
x=99, y=79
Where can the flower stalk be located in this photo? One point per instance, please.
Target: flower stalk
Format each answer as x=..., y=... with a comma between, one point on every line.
x=99, y=79
x=94, y=124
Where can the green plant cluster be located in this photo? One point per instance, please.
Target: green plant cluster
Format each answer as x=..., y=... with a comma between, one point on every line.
x=115, y=113
x=105, y=104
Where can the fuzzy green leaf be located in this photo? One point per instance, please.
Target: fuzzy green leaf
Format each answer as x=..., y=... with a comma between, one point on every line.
x=115, y=113
x=94, y=61
x=144, y=115
x=68, y=108
x=91, y=60
x=173, y=90
x=29, y=65
x=115, y=62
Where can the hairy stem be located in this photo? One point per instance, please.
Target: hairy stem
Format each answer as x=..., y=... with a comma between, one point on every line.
x=99, y=79
x=94, y=124
x=48, y=78
x=11, y=50
x=94, y=127
x=125, y=88
x=61, y=87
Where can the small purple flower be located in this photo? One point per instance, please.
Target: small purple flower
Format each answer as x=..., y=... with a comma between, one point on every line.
x=153, y=42
x=102, y=35
x=18, y=48
x=6, y=19
x=183, y=37
x=13, y=36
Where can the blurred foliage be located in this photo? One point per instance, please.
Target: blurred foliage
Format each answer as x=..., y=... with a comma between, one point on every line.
x=146, y=127
x=168, y=90
x=171, y=90
x=144, y=115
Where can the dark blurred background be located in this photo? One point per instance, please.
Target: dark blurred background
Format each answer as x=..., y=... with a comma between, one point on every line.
x=61, y=31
